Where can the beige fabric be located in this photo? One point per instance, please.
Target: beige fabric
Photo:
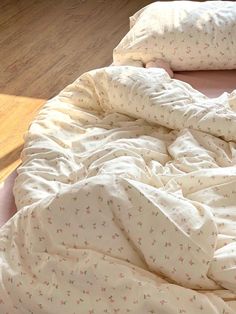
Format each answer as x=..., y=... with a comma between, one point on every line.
x=188, y=35
x=126, y=200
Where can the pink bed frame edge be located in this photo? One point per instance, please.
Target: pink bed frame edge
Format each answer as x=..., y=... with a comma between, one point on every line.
x=7, y=201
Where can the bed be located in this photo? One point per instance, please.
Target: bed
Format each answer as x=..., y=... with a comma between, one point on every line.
x=127, y=189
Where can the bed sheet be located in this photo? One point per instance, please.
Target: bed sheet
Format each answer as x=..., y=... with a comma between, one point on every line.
x=210, y=83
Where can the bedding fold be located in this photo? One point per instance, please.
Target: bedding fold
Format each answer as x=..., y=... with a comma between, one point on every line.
x=126, y=199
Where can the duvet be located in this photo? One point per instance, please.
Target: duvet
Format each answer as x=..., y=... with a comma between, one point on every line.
x=126, y=201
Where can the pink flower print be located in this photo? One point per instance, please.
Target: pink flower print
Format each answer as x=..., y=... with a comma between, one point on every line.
x=163, y=302
x=181, y=259
x=151, y=230
x=191, y=263
x=173, y=270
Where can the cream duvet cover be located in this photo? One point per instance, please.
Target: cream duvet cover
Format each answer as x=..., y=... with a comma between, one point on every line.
x=127, y=201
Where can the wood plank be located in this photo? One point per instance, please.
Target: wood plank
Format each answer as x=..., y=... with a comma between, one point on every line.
x=16, y=113
x=44, y=46
x=47, y=44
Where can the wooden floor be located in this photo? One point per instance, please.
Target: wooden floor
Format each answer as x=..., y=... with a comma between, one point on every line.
x=45, y=45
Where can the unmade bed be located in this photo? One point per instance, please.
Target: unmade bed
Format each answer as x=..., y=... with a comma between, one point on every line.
x=126, y=195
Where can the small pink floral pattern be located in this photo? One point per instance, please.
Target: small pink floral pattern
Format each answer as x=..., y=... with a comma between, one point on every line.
x=126, y=199
x=190, y=35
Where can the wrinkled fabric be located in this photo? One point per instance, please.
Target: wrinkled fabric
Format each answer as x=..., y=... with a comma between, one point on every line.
x=193, y=36
x=126, y=201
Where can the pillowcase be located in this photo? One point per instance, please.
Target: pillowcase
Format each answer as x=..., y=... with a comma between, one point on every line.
x=188, y=35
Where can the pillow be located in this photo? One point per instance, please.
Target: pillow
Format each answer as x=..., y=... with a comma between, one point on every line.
x=188, y=35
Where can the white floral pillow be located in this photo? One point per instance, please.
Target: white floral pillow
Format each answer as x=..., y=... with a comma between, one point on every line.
x=189, y=35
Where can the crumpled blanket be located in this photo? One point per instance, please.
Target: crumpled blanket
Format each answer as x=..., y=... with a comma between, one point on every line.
x=126, y=201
